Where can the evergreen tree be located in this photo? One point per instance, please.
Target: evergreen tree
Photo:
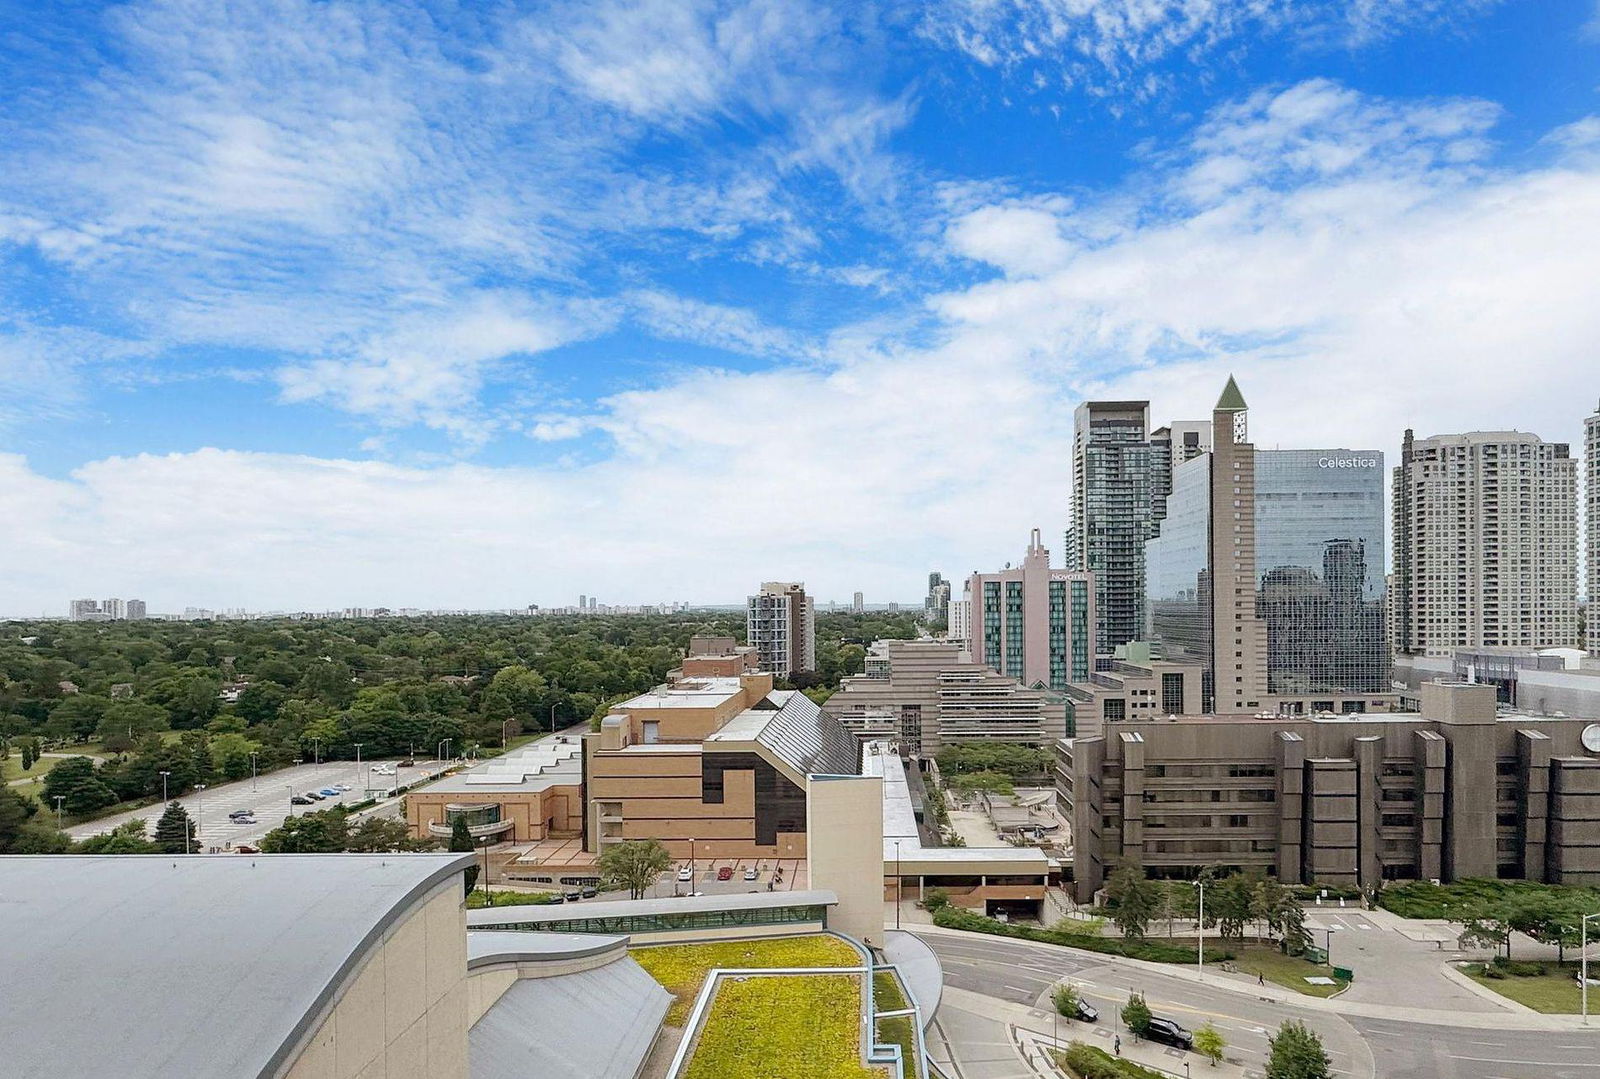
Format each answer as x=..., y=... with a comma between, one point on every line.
x=79, y=785
x=1135, y=898
x=175, y=832
x=1296, y=1052
x=461, y=841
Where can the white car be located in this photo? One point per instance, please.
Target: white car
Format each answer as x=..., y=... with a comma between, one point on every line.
x=685, y=875
x=342, y=786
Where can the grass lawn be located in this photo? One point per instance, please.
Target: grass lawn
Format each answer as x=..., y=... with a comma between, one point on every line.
x=1555, y=991
x=1285, y=970
x=801, y=1025
x=682, y=968
x=11, y=768
x=897, y=1030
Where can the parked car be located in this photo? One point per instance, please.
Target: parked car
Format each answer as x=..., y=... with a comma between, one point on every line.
x=245, y=848
x=341, y=786
x=725, y=873
x=1168, y=1032
x=314, y=796
x=237, y=813
x=684, y=874
x=1087, y=1013
x=300, y=800
x=245, y=820
x=749, y=872
x=330, y=792
x=407, y=763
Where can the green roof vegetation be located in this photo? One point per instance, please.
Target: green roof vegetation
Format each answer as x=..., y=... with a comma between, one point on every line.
x=682, y=968
x=899, y=1029
x=783, y=1025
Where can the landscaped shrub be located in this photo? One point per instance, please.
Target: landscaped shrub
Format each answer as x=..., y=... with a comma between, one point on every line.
x=1422, y=899
x=1090, y=1062
x=936, y=899
x=1153, y=951
x=1516, y=968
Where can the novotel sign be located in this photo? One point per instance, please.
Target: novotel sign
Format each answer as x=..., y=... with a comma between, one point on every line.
x=1347, y=462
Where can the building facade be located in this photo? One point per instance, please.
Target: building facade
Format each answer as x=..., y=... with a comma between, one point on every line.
x=1119, y=483
x=959, y=628
x=1034, y=623
x=937, y=605
x=1485, y=542
x=781, y=625
x=1451, y=792
x=136, y=610
x=1591, y=488
x=928, y=694
x=711, y=767
x=1320, y=556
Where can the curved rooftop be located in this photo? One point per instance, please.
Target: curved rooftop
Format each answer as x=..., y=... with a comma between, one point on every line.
x=205, y=965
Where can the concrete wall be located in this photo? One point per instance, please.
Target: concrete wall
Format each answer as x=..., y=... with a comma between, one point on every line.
x=535, y=815
x=844, y=819
x=403, y=1015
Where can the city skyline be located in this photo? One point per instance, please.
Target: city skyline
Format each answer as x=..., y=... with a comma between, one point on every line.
x=405, y=359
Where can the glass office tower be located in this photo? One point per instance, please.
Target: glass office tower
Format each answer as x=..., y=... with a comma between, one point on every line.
x=1178, y=573
x=1320, y=563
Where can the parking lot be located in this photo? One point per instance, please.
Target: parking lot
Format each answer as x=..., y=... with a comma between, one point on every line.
x=268, y=796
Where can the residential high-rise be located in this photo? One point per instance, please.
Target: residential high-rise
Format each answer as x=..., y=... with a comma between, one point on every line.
x=583, y=603
x=85, y=610
x=136, y=610
x=937, y=606
x=858, y=604
x=1591, y=485
x=781, y=625
x=114, y=609
x=1319, y=553
x=1485, y=542
x=959, y=629
x=1034, y=623
x=1121, y=476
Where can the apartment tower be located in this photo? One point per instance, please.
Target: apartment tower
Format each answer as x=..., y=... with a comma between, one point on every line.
x=781, y=625
x=1591, y=485
x=1485, y=542
x=1034, y=623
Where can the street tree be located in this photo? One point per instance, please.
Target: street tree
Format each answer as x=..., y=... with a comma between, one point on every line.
x=1295, y=1052
x=1135, y=898
x=1228, y=906
x=634, y=865
x=1136, y=1015
x=326, y=832
x=1292, y=925
x=175, y=832
x=1208, y=1042
x=384, y=835
x=1066, y=1000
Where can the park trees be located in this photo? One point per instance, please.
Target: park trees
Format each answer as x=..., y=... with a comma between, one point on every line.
x=77, y=782
x=1065, y=999
x=126, y=723
x=634, y=865
x=326, y=832
x=175, y=832
x=1295, y=1052
x=126, y=838
x=1228, y=906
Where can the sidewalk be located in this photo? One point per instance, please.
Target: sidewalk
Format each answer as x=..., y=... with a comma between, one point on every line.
x=1496, y=1020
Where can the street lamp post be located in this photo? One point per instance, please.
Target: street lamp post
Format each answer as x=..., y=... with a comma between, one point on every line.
x=358, y=760
x=291, y=798
x=898, y=896
x=504, y=723
x=59, y=798
x=164, y=776
x=316, y=750
x=1200, y=932
x=1583, y=963
x=253, y=770
x=200, y=819
x=440, y=748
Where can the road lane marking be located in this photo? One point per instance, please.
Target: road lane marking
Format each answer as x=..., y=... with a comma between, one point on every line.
x=1536, y=1063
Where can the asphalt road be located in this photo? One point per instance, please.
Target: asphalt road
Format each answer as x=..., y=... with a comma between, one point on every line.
x=1021, y=972
x=267, y=795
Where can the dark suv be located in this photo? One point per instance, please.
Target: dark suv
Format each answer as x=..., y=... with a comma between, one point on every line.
x=1086, y=1012
x=1167, y=1032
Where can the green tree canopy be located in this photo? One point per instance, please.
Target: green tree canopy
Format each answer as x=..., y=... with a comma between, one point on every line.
x=1136, y=1015
x=1295, y=1052
x=175, y=831
x=326, y=832
x=78, y=783
x=634, y=865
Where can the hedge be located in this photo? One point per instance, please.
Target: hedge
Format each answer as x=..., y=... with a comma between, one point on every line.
x=1090, y=1062
x=1422, y=899
x=1153, y=951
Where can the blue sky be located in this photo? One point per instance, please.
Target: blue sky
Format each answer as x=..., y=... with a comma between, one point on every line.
x=326, y=304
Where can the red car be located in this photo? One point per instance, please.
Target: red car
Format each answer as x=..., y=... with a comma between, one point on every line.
x=725, y=873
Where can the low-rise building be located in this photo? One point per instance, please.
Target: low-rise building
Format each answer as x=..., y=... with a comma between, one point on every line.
x=529, y=794
x=927, y=694
x=712, y=767
x=1452, y=791
x=716, y=657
